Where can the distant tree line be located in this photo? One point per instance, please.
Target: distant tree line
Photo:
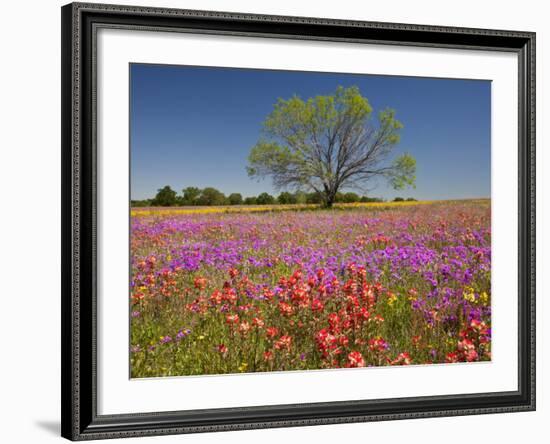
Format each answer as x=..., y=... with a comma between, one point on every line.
x=401, y=199
x=209, y=196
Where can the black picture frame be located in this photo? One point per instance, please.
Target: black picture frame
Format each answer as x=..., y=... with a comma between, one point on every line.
x=80, y=420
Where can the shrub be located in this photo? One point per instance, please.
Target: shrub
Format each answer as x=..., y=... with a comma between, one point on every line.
x=351, y=197
x=235, y=199
x=265, y=199
x=286, y=198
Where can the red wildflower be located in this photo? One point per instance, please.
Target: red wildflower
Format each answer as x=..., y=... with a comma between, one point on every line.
x=232, y=319
x=343, y=340
x=334, y=320
x=402, y=359
x=350, y=287
x=244, y=327
x=216, y=297
x=200, y=283
x=136, y=297
x=363, y=313
x=230, y=295
x=285, y=308
x=271, y=332
x=452, y=357
x=377, y=319
x=268, y=294
x=258, y=322
x=479, y=326
x=378, y=344
x=326, y=341
x=351, y=267
x=317, y=305
x=355, y=359
x=283, y=342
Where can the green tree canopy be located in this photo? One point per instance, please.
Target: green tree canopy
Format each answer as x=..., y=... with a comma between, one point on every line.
x=211, y=196
x=329, y=143
x=265, y=199
x=314, y=198
x=286, y=198
x=351, y=197
x=190, y=195
x=235, y=199
x=165, y=197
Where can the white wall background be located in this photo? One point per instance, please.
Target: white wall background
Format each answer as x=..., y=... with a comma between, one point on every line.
x=30, y=219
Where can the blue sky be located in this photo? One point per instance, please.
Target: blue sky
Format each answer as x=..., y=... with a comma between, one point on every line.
x=195, y=126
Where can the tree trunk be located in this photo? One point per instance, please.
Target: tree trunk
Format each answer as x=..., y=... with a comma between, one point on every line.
x=329, y=201
x=330, y=196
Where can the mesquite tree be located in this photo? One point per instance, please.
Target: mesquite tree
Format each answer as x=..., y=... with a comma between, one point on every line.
x=329, y=143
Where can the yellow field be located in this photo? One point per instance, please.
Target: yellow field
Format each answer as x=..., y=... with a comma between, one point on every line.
x=149, y=211
x=262, y=208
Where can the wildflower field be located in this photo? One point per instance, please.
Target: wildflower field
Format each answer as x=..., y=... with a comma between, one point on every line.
x=216, y=292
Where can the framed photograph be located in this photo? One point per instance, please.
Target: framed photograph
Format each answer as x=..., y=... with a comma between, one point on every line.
x=282, y=221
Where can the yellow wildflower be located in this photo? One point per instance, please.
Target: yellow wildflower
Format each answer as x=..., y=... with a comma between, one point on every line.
x=484, y=298
x=469, y=294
